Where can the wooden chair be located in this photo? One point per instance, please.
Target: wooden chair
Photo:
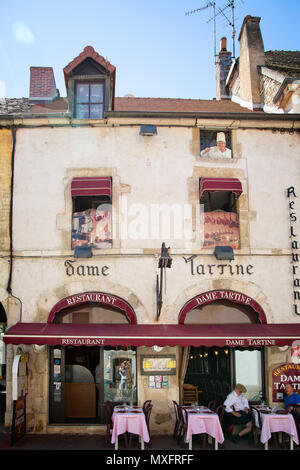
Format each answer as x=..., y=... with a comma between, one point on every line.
x=256, y=430
x=148, y=415
x=190, y=394
x=109, y=424
x=220, y=410
x=146, y=404
x=177, y=419
x=212, y=405
x=183, y=421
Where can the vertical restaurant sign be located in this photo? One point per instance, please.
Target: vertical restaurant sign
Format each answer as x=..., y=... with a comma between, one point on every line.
x=286, y=373
x=20, y=388
x=294, y=246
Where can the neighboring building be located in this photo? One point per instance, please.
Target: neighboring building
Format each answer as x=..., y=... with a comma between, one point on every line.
x=100, y=183
x=263, y=80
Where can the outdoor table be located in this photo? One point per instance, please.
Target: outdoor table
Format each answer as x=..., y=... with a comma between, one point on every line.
x=203, y=421
x=131, y=419
x=274, y=422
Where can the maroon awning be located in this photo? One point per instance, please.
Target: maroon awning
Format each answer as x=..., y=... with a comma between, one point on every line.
x=232, y=335
x=91, y=186
x=220, y=184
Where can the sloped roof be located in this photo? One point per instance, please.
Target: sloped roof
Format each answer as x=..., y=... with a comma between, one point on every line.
x=88, y=53
x=14, y=105
x=178, y=105
x=286, y=62
x=130, y=104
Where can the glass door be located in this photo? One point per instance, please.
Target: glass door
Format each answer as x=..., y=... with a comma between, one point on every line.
x=57, y=362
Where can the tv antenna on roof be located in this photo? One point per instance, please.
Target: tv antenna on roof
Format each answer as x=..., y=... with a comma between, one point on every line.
x=212, y=5
x=220, y=11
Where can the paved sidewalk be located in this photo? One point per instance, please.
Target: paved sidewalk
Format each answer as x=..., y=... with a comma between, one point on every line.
x=95, y=442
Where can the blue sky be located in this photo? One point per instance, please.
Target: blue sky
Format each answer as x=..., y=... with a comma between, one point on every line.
x=157, y=49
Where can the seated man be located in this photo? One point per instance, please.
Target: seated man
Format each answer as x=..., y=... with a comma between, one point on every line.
x=237, y=411
x=292, y=403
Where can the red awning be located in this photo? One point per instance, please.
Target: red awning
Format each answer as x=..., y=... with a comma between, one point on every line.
x=220, y=184
x=90, y=186
x=232, y=335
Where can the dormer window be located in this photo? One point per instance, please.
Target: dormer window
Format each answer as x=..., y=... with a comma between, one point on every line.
x=90, y=84
x=89, y=100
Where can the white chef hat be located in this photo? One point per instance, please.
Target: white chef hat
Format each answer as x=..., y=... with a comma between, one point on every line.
x=221, y=137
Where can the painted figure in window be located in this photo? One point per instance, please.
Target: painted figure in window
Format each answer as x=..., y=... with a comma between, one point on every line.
x=217, y=151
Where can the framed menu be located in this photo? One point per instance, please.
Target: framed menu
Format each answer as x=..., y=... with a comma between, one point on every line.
x=158, y=365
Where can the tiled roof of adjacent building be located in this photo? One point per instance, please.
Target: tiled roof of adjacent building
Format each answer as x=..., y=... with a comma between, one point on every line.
x=131, y=104
x=14, y=105
x=178, y=105
x=287, y=62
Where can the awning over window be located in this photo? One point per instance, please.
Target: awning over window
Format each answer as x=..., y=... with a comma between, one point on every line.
x=89, y=186
x=231, y=335
x=220, y=184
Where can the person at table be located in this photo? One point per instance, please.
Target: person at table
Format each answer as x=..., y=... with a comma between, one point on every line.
x=237, y=411
x=291, y=399
x=292, y=403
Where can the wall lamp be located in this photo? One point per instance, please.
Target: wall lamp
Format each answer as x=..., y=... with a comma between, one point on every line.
x=83, y=252
x=165, y=261
x=148, y=130
x=224, y=253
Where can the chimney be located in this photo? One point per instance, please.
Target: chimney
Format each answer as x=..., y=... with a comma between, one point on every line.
x=42, y=84
x=252, y=55
x=222, y=68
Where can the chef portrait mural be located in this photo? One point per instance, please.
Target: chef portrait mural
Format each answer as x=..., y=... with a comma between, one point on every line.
x=215, y=144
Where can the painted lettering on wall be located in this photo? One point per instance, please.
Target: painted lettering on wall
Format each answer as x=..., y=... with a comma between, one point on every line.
x=291, y=194
x=84, y=270
x=218, y=269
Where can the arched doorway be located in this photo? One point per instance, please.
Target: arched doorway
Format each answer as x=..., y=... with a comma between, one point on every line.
x=84, y=377
x=215, y=370
x=3, y=322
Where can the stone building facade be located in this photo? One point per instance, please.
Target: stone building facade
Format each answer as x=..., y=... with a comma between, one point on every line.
x=100, y=184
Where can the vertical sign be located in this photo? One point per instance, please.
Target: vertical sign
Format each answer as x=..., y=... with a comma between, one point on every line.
x=20, y=388
x=286, y=373
x=294, y=246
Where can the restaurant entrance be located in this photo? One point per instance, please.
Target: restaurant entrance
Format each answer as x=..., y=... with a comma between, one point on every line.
x=83, y=378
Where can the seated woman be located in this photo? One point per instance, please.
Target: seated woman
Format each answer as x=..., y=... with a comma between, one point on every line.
x=238, y=411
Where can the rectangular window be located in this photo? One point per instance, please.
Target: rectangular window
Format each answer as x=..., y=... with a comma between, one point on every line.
x=92, y=212
x=215, y=144
x=89, y=100
x=220, y=218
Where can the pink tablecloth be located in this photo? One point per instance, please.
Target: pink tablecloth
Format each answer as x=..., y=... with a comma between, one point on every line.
x=134, y=423
x=277, y=423
x=207, y=423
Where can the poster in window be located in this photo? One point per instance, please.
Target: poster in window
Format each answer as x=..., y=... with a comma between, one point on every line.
x=151, y=365
x=221, y=229
x=215, y=144
x=92, y=228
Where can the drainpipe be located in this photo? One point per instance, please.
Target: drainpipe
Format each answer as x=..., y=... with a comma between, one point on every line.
x=9, y=290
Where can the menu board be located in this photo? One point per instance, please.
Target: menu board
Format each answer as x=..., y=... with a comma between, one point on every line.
x=158, y=365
